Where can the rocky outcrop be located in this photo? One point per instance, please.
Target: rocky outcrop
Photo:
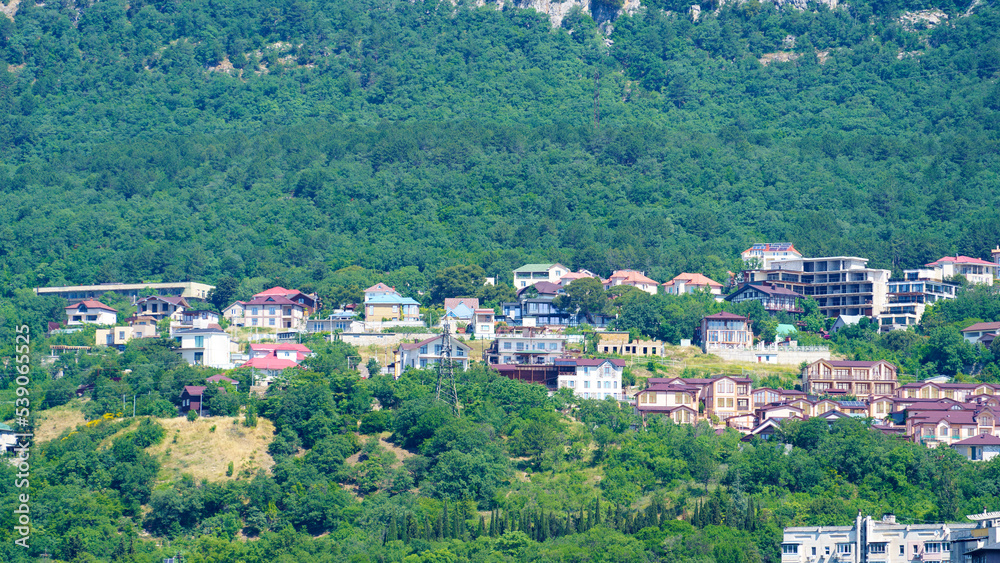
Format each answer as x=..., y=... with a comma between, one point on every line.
x=923, y=18
x=556, y=10
x=10, y=8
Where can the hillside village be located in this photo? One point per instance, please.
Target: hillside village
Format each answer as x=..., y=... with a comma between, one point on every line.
x=547, y=335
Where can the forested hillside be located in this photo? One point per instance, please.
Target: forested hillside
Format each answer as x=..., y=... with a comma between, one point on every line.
x=198, y=139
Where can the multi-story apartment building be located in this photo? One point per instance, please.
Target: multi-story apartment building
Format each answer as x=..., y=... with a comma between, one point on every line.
x=525, y=345
x=979, y=545
x=592, y=378
x=869, y=540
x=274, y=312
x=907, y=299
x=861, y=379
x=841, y=285
x=725, y=330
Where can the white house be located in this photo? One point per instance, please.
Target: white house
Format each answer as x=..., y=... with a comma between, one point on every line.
x=689, y=283
x=284, y=351
x=189, y=316
x=975, y=270
x=763, y=254
x=90, y=312
x=633, y=278
x=592, y=378
x=204, y=345
x=530, y=274
x=483, y=323
x=235, y=313
x=430, y=352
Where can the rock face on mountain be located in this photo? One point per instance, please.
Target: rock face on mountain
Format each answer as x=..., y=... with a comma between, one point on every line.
x=556, y=10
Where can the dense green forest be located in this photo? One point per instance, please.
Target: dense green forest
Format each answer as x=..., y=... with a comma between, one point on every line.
x=519, y=476
x=409, y=136
x=327, y=145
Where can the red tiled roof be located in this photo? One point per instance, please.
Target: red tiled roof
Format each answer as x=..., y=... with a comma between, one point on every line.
x=91, y=304
x=630, y=276
x=269, y=363
x=693, y=279
x=452, y=302
x=380, y=287
x=272, y=300
x=276, y=290
x=284, y=346
x=959, y=259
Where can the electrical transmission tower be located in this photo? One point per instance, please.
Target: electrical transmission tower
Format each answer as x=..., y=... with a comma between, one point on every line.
x=446, y=371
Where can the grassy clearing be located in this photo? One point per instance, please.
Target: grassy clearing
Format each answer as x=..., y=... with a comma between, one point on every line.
x=191, y=447
x=51, y=423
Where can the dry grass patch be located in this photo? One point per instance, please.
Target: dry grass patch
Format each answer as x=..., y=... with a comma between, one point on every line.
x=192, y=448
x=53, y=422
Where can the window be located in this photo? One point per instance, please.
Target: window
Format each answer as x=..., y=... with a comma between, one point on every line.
x=789, y=549
x=270, y=322
x=572, y=383
x=253, y=310
x=121, y=335
x=270, y=310
x=553, y=346
x=844, y=548
x=902, y=550
x=877, y=548
x=506, y=345
x=423, y=362
x=459, y=353
x=437, y=349
x=814, y=550
x=199, y=341
x=937, y=547
x=253, y=322
x=586, y=384
x=423, y=349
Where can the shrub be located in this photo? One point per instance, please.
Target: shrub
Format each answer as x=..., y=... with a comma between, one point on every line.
x=192, y=415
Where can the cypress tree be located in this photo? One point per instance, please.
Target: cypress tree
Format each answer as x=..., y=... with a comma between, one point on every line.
x=597, y=512
x=445, y=521
x=392, y=534
x=481, y=530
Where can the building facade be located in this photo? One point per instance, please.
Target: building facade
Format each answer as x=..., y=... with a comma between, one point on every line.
x=841, y=285
x=725, y=330
x=860, y=379
x=90, y=312
x=870, y=540
x=530, y=274
x=592, y=378
x=429, y=353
